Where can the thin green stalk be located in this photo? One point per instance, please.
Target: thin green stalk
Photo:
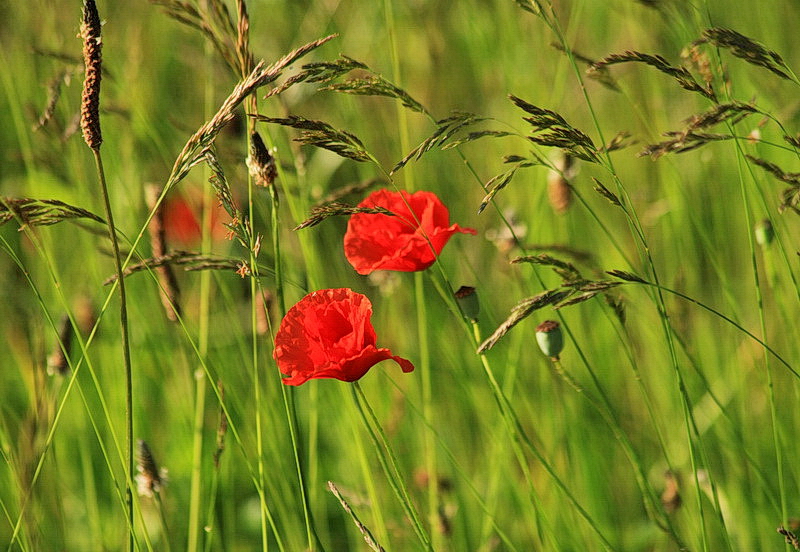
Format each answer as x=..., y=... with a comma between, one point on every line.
x=256, y=371
x=196, y=485
x=288, y=394
x=427, y=405
x=163, y=519
x=367, y=472
x=423, y=338
x=389, y=463
x=126, y=352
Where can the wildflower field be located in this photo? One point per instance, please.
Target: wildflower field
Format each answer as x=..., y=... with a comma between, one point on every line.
x=334, y=275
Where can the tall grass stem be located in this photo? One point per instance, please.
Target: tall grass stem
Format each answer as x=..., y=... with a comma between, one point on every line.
x=126, y=351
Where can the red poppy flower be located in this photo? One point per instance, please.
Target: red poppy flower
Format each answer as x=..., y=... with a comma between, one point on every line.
x=328, y=334
x=409, y=241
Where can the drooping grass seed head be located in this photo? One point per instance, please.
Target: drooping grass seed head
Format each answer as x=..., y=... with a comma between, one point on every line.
x=550, y=338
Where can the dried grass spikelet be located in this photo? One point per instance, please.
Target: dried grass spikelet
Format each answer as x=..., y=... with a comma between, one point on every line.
x=150, y=478
x=222, y=427
x=92, y=59
x=260, y=162
x=559, y=191
x=168, y=283
x=373, y=544
x=57, y=362
x=671, y=497
x=700, y=61
x=790, y=536
x=264, y=312
x=194, y=151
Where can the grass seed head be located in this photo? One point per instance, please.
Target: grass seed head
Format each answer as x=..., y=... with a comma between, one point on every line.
x=261, y=163
x=559, y=191
x=57, y=362
x=150, y=479
x=92, y=59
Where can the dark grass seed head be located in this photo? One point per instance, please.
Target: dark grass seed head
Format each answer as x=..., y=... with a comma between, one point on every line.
x=261, y=163
x=150, y=479
x=92, y=58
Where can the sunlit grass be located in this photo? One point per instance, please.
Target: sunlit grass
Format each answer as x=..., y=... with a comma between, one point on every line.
x=695, y=386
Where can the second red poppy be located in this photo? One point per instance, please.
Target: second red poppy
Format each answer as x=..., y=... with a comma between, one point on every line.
x=407, y=242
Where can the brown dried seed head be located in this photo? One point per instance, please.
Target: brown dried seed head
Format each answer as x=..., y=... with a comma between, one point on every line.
x=169, y=292
x=559, y=192
x=149, y=479
x=57, y=360
x=260, y=162
x=671, y=497
x=92, y=59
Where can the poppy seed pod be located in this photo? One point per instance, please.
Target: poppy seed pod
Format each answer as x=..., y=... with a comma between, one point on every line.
x=468, y=301
x=550, y=338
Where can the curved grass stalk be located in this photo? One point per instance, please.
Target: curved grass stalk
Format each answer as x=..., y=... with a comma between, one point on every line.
x=779, y=457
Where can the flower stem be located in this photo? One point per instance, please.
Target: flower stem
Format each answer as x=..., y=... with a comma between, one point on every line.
x=389, y=463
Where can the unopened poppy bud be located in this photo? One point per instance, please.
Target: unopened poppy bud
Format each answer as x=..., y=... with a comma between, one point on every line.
x=765, y=233
x=468, y=301
x=549, y=337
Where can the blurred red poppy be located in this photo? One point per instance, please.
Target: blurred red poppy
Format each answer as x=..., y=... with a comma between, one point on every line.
x=328, y=334
x=407, y=242
x=182, y=221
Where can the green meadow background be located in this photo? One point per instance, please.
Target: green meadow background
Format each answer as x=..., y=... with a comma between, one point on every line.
x=675, y=429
